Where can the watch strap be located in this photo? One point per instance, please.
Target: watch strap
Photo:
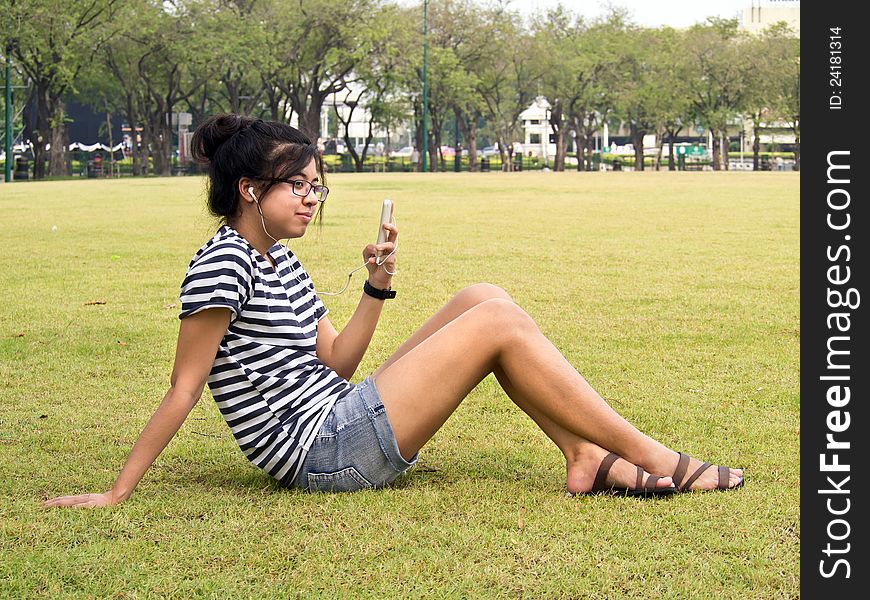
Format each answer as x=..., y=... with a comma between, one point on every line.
x=379, y=294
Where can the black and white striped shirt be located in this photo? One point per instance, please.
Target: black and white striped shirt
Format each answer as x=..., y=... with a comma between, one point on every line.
x=266, y=378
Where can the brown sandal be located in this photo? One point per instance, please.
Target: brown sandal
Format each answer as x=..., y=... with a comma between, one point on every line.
x=640, y=489
x=683, y=466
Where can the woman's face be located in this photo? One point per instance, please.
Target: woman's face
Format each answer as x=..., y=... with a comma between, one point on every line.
x=285, y=212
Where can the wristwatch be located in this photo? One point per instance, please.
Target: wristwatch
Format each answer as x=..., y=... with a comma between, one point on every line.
x=379, y=294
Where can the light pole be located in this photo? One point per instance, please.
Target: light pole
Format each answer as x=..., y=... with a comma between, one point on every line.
x=425, y=85
x=8, y=170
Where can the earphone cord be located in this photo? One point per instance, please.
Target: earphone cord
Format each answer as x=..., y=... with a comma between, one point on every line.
x=380, y=262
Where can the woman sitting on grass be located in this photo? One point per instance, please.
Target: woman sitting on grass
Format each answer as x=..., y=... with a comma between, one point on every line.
x=253, y=326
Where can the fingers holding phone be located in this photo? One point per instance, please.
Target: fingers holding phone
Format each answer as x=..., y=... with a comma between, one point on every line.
x=380, y=257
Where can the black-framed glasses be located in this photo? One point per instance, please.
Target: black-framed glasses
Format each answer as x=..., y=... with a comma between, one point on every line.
x=302, y=188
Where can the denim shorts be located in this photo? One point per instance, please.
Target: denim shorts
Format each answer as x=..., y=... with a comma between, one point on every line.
x=355, y=448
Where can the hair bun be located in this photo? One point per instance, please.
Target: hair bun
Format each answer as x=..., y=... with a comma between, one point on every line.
x=213, y=132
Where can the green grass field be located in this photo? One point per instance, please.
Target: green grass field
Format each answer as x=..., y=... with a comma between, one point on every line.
x=675, y=294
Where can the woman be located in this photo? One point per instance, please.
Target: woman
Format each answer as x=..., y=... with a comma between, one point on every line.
x=254, y=328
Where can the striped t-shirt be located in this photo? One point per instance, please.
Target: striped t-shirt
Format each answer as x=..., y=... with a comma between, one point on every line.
x=267, y=381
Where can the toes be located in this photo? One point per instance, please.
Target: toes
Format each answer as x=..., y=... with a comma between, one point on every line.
x=665, y=482
x=709, y=479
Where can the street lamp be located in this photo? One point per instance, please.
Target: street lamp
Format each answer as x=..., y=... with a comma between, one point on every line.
x=425, y=84
x=8, y=170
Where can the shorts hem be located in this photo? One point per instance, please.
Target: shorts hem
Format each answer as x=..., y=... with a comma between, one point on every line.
x=383, y=429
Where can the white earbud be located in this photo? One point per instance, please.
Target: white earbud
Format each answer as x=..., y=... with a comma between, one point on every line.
x=251, y=192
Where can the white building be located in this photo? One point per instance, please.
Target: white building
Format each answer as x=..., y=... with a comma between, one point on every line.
x=535, y=122
x=358, y=128
x=761, y=14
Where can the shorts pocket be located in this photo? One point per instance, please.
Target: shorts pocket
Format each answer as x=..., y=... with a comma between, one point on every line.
x=346, y=480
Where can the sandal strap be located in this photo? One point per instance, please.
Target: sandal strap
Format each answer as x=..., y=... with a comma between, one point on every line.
x=682, y=467
x=639, y=483
x=603, y=470
x=651, y=482
x=695, y=475
x=724, y=478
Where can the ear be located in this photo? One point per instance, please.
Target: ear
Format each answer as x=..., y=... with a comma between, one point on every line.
x=244, y=191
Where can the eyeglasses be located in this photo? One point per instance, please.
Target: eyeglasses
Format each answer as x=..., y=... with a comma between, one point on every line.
x=302, y=188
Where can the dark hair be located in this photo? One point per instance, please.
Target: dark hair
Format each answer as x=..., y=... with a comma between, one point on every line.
x=235, y=146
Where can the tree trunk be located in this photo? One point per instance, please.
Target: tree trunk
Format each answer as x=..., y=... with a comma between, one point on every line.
x=559, y=160
x=756, y=145
x=146, y=146
x=309, y=116
x=233, y=96
x=637, y=142
x=502, y=152
x=469, y=132
x=42, y=129
x=557, y=124
x=671, y=163
x=135, y=147
x=660, y=144
x=67, y=156
x=160, y=139
x=726, y=142
x=433, y=153
x=165, y=146
x=27, y=116
x=274, y=100
x=436, y=148
x=471, y=140
x=590, y=150
x=111, y=144
x=797, y=150
x=717, y=153
x=57, y=153
x=580, y=142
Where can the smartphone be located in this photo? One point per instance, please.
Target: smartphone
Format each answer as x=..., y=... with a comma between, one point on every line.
x=386, y=217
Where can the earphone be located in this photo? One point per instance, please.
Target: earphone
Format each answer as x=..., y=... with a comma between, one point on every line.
x=378, y=262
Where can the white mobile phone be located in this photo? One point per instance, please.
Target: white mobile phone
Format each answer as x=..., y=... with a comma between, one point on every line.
x=386, y=217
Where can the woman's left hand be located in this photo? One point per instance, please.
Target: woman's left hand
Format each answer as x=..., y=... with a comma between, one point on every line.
x=379, y=275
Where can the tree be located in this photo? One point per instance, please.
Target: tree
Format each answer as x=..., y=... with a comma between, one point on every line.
x=557, y=45
x=646, y=94
x=719, y=78
x=52, y=42
x=579, y=65
x=244, y=59
x=378, y=78
x=786, y=91
x=462, y=34
x=757, y=102
x=600, y=66
x=320, y=44
x=507, y=82
x=674, y=112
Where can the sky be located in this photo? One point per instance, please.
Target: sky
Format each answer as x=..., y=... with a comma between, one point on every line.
x=648, y=13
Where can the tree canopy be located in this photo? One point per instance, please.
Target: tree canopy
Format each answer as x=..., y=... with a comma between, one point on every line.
x=144, y=60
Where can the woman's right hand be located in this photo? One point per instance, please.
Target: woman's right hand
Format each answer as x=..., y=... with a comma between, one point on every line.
x=83, y=500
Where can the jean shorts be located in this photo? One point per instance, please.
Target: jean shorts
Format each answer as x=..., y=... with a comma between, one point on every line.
x=355, y=448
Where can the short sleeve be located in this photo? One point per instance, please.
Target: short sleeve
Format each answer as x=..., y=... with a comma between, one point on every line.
x=222, y=276
x=319, y=309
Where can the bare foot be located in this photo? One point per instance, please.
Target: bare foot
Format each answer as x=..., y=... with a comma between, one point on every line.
x=582, y=470
x=684, y=471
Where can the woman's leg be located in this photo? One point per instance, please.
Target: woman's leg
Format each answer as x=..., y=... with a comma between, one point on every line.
x=582, y=457
x=497, y=336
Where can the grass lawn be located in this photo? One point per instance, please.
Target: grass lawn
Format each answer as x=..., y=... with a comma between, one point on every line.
x=675, y=294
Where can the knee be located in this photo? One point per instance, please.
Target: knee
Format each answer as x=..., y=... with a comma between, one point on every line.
x=481, y=292
x=506, y=317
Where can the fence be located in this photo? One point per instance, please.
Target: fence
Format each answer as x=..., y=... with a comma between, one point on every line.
x=90, y=165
